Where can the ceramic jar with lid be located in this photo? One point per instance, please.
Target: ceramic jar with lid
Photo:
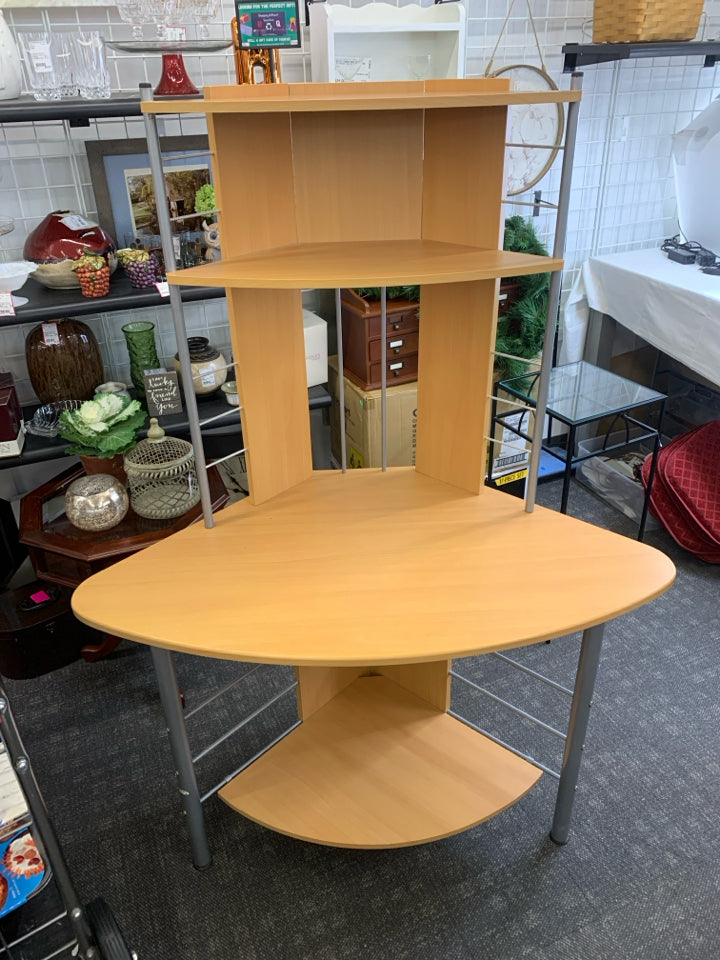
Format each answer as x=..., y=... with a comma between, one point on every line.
x=209, y=366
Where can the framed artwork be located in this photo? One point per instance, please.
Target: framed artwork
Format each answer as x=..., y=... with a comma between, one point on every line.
x=124, y=193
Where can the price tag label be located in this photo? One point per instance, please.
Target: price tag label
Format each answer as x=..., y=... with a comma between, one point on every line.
x=50, y=334
x=7, y=307
x=208, y=379
x=40, y=56
x=73, y=221
x=163, y=288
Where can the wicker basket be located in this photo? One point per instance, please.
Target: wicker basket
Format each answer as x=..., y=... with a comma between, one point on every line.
x=633, y=20
x=161, y=476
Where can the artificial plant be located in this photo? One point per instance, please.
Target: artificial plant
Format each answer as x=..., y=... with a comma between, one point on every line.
x=521, y=329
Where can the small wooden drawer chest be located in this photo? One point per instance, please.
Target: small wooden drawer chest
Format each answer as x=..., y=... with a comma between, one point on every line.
x=362, y=340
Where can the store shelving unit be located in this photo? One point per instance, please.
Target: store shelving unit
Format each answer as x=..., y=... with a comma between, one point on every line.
x=579, y=55
x=384, y=42
x=369, y=581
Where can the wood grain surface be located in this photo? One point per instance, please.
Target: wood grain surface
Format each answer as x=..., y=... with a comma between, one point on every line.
x=379, y=767
x=372, y=568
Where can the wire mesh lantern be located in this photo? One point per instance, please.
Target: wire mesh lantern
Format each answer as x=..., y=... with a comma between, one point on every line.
x=162, y=479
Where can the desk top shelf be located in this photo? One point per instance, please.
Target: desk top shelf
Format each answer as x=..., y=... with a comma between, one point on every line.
x=360, y=264
x=293, y=580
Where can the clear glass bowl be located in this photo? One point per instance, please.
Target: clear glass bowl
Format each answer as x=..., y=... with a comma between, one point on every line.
x=46, y=418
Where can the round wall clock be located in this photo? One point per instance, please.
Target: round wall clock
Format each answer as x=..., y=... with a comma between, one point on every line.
x=535, y=130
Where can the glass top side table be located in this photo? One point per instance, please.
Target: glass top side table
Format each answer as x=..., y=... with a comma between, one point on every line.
x=581, y=393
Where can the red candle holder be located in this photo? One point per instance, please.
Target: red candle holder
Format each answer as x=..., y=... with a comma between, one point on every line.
x=174, y=81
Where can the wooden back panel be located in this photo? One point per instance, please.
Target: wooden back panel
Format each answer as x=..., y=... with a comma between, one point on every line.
x=253, y=178
x=463, y=173
x=269, y=348
x=358, y=176
x=457, y=334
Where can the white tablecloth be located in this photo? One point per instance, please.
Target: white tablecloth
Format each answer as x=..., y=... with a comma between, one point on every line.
x=673, y=307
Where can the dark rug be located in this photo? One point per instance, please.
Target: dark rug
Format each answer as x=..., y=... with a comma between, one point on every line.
x=638, y=879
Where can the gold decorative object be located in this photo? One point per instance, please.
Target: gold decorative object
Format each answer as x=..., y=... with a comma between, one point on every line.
x=95, y=503
x=161, y=476
x=255, y=66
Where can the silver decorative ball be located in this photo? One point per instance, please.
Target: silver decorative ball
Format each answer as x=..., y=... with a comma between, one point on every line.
x=96, y=502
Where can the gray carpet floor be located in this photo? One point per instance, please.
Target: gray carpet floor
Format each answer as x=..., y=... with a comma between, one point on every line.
x=639, y=879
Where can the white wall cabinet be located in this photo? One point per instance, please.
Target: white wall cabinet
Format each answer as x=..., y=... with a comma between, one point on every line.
x=382, y=42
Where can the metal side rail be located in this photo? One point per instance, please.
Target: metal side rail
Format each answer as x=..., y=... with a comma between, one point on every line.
x=574, y=738
x=185, y=761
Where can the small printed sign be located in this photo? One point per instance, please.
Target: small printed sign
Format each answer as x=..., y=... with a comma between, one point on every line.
x=162, y=393
x=163, y=288
x=7, y=307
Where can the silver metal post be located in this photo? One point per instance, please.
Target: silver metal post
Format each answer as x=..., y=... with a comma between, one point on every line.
x=553, y=297
x=184, y=770
x=341, y=380
x=383, y=376
x=577, y=728
x=156, y=167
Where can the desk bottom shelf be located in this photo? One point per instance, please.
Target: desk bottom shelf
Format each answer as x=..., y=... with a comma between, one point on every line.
x=379, y=767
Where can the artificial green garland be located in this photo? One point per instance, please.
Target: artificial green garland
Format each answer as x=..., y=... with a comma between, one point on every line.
x=521, y=329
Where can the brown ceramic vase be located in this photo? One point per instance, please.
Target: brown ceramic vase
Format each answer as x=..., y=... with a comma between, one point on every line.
x=63, y=360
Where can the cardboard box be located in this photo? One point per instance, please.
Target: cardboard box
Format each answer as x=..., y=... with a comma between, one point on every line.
x=316, y=348
x=363, y=423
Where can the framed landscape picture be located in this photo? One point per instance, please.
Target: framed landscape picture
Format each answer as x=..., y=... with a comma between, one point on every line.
x=124, y=192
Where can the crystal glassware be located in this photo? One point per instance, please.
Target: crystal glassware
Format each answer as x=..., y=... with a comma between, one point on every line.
x=419, y=65
x=204, y=12
x=62, y=61
x=134, y=13
x=89, y=65
x=37, y=57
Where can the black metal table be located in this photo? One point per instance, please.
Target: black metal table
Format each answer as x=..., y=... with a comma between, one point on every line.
x=581, y=394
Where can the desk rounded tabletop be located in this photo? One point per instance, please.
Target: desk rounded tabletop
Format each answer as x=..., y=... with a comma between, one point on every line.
x=372, y=568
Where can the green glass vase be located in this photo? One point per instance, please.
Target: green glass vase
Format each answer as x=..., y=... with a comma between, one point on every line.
x=140, y=339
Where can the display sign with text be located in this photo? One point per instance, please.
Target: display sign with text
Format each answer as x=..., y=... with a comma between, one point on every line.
x=268, y=23
x=162, y=393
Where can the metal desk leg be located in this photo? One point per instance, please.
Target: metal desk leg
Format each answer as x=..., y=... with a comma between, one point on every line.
x=577, y=727
x=184, y=770
x=567, y=475
x=651, y=475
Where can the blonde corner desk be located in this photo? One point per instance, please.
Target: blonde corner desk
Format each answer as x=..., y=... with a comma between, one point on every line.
x=371, y=185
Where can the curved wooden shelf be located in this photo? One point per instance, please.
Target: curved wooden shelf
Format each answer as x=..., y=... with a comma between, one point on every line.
x=372, y=568
x=379, y=767
x=363, y=263
x=394, y=95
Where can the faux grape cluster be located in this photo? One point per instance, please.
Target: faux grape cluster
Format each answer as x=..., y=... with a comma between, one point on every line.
x=93, y=273
x=140, y=266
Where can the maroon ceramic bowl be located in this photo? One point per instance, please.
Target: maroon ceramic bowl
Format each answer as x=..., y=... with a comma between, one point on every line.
x=64, y=236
